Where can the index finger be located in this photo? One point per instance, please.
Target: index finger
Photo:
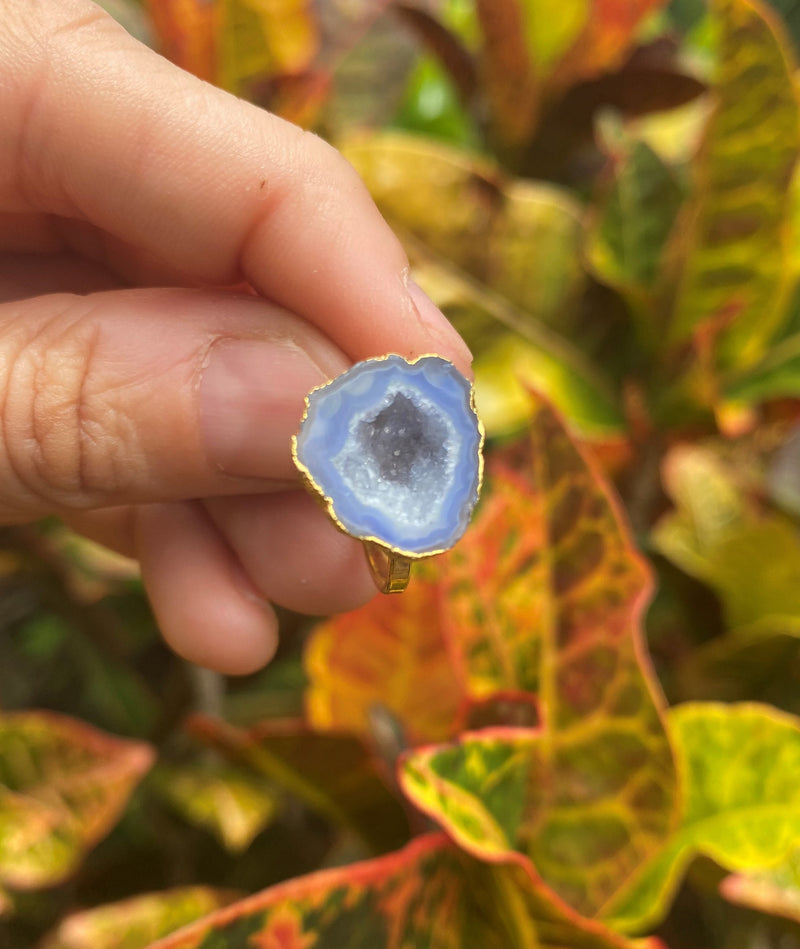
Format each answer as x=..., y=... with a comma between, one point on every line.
x=99, y=128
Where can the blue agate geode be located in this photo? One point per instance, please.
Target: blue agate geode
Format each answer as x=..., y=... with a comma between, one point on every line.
x=394, y=450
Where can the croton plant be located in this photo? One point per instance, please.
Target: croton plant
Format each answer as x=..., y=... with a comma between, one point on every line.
x=578, y=729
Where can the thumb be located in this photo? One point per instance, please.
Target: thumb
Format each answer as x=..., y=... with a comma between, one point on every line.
x=149, y=395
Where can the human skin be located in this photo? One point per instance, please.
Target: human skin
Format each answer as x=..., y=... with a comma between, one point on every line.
x=177, y=269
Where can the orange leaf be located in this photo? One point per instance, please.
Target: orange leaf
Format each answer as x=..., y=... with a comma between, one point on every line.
x=392, y=654
x=607, y=39
x=187, y=34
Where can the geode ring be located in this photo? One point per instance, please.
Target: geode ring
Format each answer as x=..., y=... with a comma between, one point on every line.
x=393, y=449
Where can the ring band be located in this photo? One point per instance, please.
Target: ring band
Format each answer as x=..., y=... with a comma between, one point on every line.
x=390, y=571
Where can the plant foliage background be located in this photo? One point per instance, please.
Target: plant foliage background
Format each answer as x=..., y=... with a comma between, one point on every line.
x=579, y=729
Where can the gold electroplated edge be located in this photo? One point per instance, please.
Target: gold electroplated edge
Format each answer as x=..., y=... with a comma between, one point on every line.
x=327, y=502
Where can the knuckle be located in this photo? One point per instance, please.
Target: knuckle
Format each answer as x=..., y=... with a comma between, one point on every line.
x=58, y=427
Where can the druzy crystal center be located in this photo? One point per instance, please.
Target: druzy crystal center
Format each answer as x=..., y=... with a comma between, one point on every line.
x=402, y=438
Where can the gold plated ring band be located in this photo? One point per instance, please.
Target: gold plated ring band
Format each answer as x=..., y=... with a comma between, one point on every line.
x=391, y=571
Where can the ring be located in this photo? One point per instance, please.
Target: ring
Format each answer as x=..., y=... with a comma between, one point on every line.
x=392, y=449
x=390, y=571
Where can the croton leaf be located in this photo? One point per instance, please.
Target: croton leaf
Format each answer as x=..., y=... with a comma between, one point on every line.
x=502, y=258
x=233, y=42
x=515, y=355
x=63, y=784
x=428, y=894
x=738, y=767
x=733, y=244
x=751, y=559
x=445, y=45
x=508, y=72
x=262, y=38
x=520, y=238
x=545, y=595
x=134, y=923
x=776, y=376
x=336, y=775
x=610, y=29
x=635, y=218
x=231, y=803
x=533, y=48
x=186, y=33
x=775, y=890
x=759, y=663
x=386, y=655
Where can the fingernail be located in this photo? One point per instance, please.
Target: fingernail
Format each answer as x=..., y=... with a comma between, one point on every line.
x=252, y=396
x=450, y=342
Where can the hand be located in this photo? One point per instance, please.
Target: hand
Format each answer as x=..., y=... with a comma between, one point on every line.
x=155, y=420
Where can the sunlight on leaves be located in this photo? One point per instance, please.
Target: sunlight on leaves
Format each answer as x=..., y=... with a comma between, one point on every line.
x=63, y=785
x=738, y=767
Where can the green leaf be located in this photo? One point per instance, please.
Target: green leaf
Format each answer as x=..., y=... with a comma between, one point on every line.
x=511, y=369
x=733, y=244
x=232, y=804
x=428, y=894
x=134, y=923
x=335, y=775
x=635, y=218
x=63, y=784
x=738, y=767
x=751, y=559
x=546, y=593
x=777, y=376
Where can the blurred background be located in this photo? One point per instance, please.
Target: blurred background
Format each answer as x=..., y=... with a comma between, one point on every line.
x=601, y=195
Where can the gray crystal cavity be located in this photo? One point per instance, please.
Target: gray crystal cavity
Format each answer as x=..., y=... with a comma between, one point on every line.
x=400, y=458
x=403, y=441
